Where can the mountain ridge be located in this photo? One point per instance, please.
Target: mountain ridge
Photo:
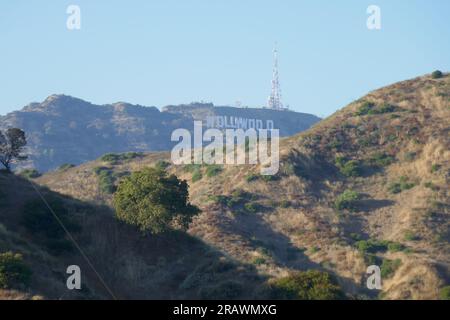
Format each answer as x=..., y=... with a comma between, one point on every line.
x=63, y=129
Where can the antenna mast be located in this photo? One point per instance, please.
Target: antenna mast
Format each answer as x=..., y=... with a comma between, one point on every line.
x=275, y=96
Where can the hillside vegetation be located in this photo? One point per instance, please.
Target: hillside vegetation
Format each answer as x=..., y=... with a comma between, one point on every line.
x=368, y=185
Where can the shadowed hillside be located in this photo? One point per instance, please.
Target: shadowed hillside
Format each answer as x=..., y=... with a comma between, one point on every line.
x=131, y=266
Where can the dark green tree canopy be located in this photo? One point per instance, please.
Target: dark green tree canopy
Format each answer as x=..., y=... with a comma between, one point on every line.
x=306, y=285
x=12, y=143
x=154, y=201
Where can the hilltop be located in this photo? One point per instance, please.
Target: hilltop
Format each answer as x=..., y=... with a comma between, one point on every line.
x=67, y=130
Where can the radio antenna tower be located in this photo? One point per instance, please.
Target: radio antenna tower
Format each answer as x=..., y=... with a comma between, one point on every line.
x=275, y=96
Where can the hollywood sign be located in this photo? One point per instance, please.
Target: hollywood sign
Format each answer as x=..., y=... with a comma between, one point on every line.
x=230, y=122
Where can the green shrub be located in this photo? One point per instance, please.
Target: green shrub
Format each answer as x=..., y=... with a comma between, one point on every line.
x=400, y=186
x=355, y=236
x=395, y=247
x=114, y=158
x=405, y=184
x=259, y=261
x=154, y=201
x=388, y=267
x=251, y=207
x=110, y=157
x=266, y=178
x=340, y=161
x=335, y=144
x=251, y=177
x=314, y=250
x=30, y=173
x=369, y=108
x=219, y=199
x=65, y=166
x=347, y=200
x=269, y=177
x=351, y=168
x=392, y=137
x=431, y=186
x=372, y=246
x=395, y=188
x=365, y=108
x=307, y=285
x=435, y=168
x=385, y=108
x=238, y=196
x=444, y=294
x=197, y=176
x=213, y=170
x=437, y=74
x=161, y=164
x=380, y=159
x=410, y=236
x=13, y=271
x=106, y=178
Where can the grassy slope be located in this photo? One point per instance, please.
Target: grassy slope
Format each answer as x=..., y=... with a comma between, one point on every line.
x=296, y=225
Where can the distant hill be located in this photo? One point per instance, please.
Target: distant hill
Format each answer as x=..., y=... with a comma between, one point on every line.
x=66, y=130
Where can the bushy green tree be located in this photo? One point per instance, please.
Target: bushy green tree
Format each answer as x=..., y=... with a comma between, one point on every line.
x=347, y=200
x=154, y=201
x=307, y=285
x=444, y=294
x=13, y=270
x=12, y=143
x=437, y=74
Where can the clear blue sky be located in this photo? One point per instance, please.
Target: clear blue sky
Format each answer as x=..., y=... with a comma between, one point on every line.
x=168, y=52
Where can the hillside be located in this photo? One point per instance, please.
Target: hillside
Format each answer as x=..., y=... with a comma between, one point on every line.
x=66, y=130
x=368, y=185
x=391, y=147
x=127, y=264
